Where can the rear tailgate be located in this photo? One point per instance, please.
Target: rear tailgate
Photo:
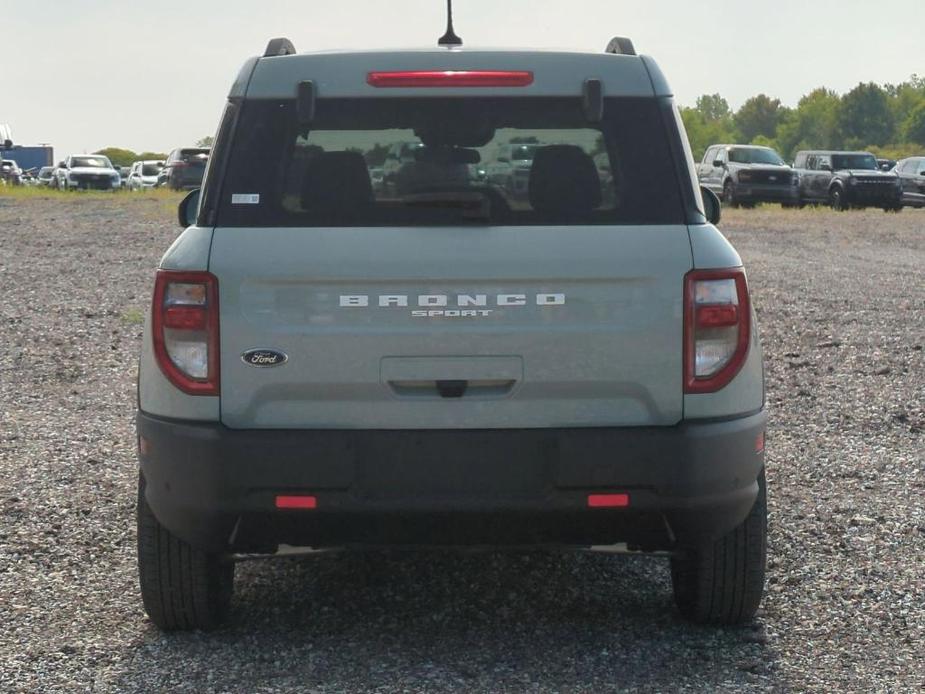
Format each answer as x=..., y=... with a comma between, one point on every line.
x=557, y=327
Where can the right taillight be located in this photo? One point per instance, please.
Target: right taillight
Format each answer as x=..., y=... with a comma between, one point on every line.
x=717, y=328
x=184, y=323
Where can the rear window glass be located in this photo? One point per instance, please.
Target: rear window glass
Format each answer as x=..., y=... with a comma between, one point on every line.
x=194, y=156
x=151, y=169
x=441, y=161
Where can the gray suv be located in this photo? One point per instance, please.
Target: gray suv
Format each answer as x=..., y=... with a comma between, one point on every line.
x=331, y=364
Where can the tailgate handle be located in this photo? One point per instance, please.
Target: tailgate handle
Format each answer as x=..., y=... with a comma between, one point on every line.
x=453, y=389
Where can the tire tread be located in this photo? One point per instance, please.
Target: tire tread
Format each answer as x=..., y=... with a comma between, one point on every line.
x=182, y=587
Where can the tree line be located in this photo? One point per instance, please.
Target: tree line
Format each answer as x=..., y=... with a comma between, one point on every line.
x=888, y=120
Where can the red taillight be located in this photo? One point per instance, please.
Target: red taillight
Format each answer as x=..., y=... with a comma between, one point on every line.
x=184, y=326
x=451, y=78
x=608, y=500
x=717, y=328
x=186, y=318
x=302, y=502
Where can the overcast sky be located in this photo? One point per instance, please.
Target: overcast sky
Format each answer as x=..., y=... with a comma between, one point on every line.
x=86, y=74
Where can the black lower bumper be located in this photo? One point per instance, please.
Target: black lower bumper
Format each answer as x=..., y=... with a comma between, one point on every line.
x=216, y=487
x=879, y=196
x=758, y=192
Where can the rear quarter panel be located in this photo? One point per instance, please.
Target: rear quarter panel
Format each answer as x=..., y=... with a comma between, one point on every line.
x=745, y=394
x=156, y=395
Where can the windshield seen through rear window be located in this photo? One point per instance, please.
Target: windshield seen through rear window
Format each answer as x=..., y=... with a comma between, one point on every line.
x=864, y=162
x=90, y=162
x=755, y=156
x=440, y=161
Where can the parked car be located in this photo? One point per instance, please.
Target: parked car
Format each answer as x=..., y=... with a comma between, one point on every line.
x=911, y=173
x=123, y=175
x=847, y=180
x=45, y=176
x=184, y=168
x=747, y=174
x=144, y=174
x=510, y=169
x=10, y=173
x=886, y=164
x=325, y=366
x=87, y=172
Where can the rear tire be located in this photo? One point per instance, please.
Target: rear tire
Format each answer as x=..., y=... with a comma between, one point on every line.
x=722, y=583
x=182, y=587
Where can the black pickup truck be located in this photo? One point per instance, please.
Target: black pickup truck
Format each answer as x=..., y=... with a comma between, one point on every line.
x=847, y=180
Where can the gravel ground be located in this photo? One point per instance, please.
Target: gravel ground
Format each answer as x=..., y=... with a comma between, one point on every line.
x=841, y=299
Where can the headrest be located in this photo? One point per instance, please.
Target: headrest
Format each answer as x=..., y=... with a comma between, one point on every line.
x=564, y=181
x=336, y=183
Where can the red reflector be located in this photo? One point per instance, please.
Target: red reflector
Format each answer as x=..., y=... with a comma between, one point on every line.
x=608, y=500
x=296, y=502
x=185, y=318
x=451, y=78
x=717, y=316
x=759, y=443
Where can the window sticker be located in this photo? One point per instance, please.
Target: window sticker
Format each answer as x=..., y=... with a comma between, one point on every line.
x=245, y=199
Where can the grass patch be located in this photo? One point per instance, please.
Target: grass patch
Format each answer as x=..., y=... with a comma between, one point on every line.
x=133, y=316
x=118, y=196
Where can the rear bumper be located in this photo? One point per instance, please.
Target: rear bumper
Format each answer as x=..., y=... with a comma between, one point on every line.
x=216, y=487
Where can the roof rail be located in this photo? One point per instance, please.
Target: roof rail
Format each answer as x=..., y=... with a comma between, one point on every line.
x=278, y=47
x=620, y=45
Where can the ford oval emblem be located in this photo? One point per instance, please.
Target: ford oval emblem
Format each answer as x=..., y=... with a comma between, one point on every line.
x=264, y=358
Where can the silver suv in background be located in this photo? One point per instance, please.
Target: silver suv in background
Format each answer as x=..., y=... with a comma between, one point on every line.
x=329, y=364
x=143, y=175
x=911, y=174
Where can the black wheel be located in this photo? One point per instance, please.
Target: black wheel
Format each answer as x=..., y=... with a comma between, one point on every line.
x=729, y=194
x=722, y=583
x=893, y=208
x=837, y=199
x=182, y=587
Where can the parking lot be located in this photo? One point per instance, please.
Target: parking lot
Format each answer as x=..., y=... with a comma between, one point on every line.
x=841, y=303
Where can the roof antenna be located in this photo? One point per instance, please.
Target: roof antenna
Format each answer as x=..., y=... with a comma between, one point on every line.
x=449, y=39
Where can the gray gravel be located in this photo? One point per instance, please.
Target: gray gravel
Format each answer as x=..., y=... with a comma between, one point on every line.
x=841, y=298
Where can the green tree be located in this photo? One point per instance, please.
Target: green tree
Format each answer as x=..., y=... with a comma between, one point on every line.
x=206, y=141
x=151, y=156
x=702, y=132
x=759, y=116
x=713, y=107
x=812, y=125
x=865, y=117
x=914, y=125
x=119, y=157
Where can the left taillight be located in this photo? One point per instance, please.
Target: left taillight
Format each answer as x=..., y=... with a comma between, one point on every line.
x=184, y=323
x=717, y=328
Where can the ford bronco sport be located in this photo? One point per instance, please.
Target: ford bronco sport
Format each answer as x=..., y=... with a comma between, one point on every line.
x=327, y=364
